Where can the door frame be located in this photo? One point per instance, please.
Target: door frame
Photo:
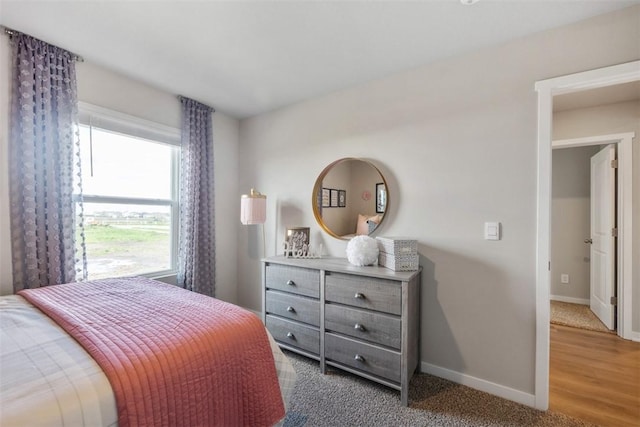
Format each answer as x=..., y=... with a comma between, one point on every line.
x=624, y=216
x=547, y=89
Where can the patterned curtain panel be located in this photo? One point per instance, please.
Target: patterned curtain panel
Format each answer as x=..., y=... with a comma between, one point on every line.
x=196, y=262
x=43, y=147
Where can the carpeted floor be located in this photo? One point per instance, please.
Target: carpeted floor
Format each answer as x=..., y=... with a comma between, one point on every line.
x=340, y=399
x=575, y=315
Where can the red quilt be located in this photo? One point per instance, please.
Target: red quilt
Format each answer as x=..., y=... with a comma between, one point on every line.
x=173, y=357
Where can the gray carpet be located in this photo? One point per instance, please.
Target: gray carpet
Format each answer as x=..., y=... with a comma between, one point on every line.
x=340, y=399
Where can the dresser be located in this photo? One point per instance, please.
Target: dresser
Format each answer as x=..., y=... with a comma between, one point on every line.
x=364, y=320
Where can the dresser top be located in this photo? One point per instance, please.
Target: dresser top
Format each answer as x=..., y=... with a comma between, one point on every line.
x=341, y=265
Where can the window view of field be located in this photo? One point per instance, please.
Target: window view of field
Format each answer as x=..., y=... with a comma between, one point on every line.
x=125, y=240
x=127, y=184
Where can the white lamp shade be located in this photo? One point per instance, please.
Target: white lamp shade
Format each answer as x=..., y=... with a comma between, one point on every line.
x=253, y=208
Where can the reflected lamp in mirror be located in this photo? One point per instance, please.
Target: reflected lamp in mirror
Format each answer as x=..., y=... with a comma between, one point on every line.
x=253, y=208
x=356, y=211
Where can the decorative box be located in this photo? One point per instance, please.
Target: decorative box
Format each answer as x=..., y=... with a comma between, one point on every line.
x=398, y=262
x=397, y=245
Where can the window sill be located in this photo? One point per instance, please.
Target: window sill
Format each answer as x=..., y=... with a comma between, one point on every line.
x=170, y=277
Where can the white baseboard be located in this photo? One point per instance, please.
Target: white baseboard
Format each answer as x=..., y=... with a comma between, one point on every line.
x=480, y=384
x=570, y=299
x=635, y=336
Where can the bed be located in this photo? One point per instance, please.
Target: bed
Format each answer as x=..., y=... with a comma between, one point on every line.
x=136, y=352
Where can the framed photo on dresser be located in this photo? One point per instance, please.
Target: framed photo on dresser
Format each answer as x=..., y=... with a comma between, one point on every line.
x=297, y=237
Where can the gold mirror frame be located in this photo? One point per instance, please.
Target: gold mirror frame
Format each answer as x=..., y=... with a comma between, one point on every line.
x=316, y=199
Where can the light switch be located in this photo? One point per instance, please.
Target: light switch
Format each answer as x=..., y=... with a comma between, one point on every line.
x=492, y=231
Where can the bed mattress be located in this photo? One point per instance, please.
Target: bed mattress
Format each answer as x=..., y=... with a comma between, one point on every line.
x=48, y=379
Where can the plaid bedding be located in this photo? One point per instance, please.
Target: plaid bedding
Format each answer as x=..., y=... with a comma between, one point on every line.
x=48, y=379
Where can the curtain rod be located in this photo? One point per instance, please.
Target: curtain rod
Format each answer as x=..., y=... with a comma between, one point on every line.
x=213, y=110
x=10, y=32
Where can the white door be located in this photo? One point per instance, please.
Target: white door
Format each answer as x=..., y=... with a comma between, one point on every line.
x=603, y=221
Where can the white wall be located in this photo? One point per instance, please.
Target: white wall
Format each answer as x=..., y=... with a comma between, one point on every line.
x=456, y=142
x=602, y=120
x=570, y=222
x=102, y=87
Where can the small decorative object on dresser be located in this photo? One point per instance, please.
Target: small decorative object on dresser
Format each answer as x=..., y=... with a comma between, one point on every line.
x=364, y=320
x=297, y=238
x=398, y=253
x=362, y=250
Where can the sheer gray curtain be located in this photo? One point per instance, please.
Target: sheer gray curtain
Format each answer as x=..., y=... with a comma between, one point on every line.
x=43, y=148
x=196, y=262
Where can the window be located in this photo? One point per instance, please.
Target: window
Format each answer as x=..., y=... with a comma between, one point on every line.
x=130, y=192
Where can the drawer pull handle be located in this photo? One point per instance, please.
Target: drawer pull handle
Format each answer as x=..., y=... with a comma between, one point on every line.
x=291, y=283
x=291, y=336
x=291, y=309
x=359, y=358
x=358, y=295
x=359, y=327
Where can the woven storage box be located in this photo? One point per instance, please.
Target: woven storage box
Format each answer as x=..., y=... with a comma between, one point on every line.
x=398, y=262
x=397, y=245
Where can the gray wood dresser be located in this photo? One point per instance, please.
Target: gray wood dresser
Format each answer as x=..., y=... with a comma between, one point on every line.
x=365, y=320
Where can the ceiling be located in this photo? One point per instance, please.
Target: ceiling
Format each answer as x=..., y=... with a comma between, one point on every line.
x=248, y=57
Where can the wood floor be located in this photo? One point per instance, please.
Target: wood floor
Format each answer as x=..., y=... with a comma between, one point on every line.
x=594, y=376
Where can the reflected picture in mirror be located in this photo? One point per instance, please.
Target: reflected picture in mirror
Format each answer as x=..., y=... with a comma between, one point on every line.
x=362, y=198
x=334, y=198
x=381, y=197
x=326, y=198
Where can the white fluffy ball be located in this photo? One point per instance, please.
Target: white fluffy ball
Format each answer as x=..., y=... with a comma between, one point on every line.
x=362, y=250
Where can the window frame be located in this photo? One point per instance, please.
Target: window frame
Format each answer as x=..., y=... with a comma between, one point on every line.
x=132, y=126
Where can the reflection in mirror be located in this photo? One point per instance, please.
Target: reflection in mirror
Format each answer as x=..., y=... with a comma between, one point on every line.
x=350, y=198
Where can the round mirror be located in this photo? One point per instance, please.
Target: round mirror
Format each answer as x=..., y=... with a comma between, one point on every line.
x=350, y=198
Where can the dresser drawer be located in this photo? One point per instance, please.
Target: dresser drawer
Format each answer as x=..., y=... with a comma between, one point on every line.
x=297, y=280
x=365, y=357
x=295, y=334
x=364, y=292
x=293, y=307
x=367, y=325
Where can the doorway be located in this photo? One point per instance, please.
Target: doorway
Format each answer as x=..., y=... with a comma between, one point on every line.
x=583, y=247
x=547, y=89
x=623, y=222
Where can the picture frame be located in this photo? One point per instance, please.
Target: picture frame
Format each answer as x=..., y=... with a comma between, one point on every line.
x=334, y=198
x=298, y=236
x=326, y=198
x=342, y=198
x=381, y=197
